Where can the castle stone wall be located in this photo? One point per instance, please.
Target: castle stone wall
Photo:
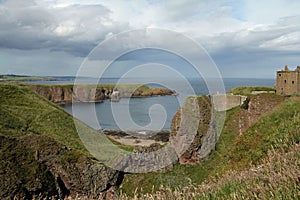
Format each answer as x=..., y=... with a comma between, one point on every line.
x=288, y=82
x=223, y=102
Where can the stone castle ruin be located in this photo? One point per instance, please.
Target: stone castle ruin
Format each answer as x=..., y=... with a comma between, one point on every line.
x=288, y=81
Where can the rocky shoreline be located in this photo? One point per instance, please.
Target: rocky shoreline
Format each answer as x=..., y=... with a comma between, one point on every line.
x=161, y=136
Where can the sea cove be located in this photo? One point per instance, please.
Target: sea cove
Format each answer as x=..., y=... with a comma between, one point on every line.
x=139, y=107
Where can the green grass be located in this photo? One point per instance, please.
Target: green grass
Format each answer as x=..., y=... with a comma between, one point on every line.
x=282, y=125
x=233, y=152
x=20, y=166
x=23, y=112
x=31, y=125
x=247, y=90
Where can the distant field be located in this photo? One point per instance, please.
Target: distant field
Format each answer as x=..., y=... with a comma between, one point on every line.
x=24, y=78
x=249, y=90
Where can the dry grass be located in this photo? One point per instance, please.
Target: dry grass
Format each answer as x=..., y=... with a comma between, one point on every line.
x=276, y=177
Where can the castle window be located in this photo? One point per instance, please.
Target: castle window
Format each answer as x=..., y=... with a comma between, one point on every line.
x=279, y=74
x=293, y=82
x=284, y=81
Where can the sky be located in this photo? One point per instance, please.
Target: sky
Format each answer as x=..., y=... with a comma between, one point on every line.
x=244, y=38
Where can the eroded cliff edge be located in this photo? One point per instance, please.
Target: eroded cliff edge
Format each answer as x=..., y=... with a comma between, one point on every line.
x=201, y=141
x=95, y=93
x=193, y=131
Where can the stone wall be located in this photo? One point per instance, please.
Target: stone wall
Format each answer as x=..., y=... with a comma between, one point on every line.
x=223, y=102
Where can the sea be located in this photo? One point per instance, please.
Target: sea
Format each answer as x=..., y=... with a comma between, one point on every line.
x=142, y=113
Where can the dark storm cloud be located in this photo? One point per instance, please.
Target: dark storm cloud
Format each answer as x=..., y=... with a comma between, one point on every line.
x=75, y=29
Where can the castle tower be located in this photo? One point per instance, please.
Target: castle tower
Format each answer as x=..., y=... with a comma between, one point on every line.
x=286, y=68
x=287, y=81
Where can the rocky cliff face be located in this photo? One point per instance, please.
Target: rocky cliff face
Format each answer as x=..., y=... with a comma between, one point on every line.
x=193, y=134
x=199, y=145
x=40, y=167
x=67, y=93
x=148, y=159
x=193, y=128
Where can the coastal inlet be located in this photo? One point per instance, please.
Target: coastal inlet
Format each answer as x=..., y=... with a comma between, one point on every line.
x=97, y=96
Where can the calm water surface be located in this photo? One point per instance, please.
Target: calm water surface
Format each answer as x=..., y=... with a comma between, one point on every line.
x=139, y=107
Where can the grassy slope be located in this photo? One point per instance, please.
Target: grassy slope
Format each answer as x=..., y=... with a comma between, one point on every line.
x=22, y=112
x=277, y=177
x=233, y=152
x=26, y=117
x=279, y=127
x=247, y=90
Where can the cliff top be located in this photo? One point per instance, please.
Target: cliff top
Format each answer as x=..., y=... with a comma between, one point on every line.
x=23, y=112
x=250, y=90
x=41, y=152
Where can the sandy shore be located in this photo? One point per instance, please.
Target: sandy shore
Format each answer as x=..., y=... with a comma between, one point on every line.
x=135, y=141
x=138, y=138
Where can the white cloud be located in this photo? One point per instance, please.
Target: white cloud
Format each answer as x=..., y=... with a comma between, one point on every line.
x=269, y=11
x=225, y=27
x=278, y=36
